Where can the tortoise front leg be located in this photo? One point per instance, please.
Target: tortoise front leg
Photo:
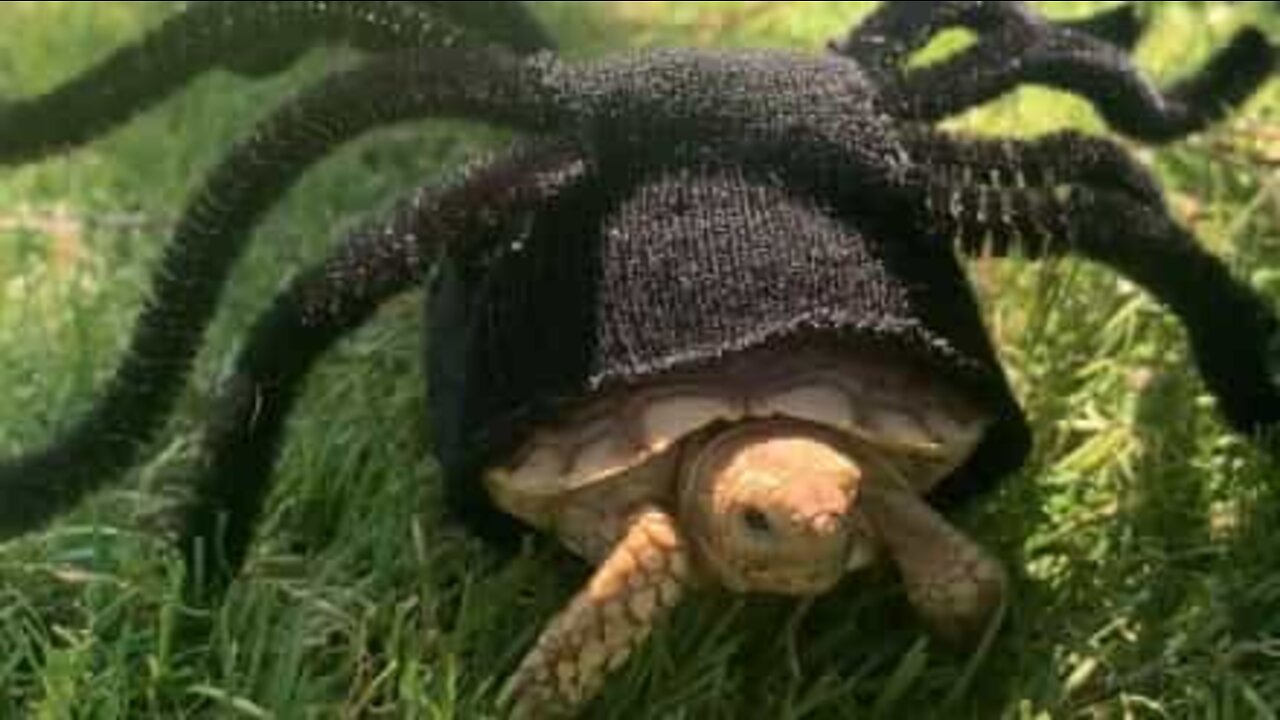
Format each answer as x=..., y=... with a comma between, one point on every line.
x=640, y=580
x=956, y=585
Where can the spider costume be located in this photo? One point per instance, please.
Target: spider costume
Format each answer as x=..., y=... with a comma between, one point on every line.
x=667, y=209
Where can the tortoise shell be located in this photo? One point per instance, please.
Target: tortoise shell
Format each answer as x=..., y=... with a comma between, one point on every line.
x=871, y=397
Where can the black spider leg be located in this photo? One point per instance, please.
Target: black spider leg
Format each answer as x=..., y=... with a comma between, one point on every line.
x=212, y=234
x=1016, y=46
x=317, y=310
x=994, y=170
x=251, y=37
x=1072, y=194
x=1121, y=26
x=506, y=23
x=885, y=41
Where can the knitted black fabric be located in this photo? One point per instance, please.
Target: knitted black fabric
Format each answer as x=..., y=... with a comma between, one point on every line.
x=816, y=121
x=614, y=285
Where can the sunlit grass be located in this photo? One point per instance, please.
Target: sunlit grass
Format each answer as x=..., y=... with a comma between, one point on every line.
x=1143, y=536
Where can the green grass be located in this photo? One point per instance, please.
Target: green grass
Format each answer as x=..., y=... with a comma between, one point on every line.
x=1144, y=538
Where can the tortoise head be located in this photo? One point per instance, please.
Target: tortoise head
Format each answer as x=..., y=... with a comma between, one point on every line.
x=769, y=505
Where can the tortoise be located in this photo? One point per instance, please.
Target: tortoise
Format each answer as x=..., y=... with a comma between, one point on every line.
x=771, y=471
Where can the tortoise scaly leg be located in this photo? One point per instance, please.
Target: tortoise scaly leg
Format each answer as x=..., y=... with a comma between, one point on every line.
x=640, y=580
x=951, y=581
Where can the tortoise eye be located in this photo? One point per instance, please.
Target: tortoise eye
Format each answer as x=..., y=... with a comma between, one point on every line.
x=756, y=521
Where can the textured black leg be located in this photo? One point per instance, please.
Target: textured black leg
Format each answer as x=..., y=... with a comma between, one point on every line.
x=505, y=23
x=1122, y=26
x=315, y=312
x=510, y=24
x=210, y=237
x=255, y=38
x=243, y=436
x=1232, y=330
x=1018, y=47
x=1100, y=73
x=888, y=38
x=997, y=165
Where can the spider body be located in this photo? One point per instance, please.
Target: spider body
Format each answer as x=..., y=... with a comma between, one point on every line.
x=672, y=262
x=672, y=212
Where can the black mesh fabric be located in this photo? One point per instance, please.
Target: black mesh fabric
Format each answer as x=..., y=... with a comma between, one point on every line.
x=616, y=284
